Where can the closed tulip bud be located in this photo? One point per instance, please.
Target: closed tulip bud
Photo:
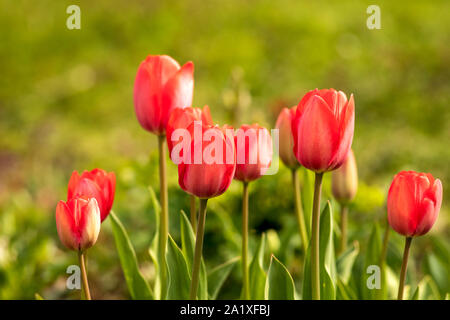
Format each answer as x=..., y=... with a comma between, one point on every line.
x=97, y=184
x=286, y=143
x=161, y=85
x=253, y=152
x=212, y=163
x=182, y=118
x=344, y=181
x=78, y=223
x=413, y=203
x=323, y=129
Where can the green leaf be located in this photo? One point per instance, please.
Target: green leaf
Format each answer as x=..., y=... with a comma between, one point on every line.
x=137, y=285
x=154, y=246
x=188, y=247
x=178, y=273
x=307, y=195
x=427, y=289
x=37, y=296
x=279, y=284
x=344, y=291
x=416, y=294
x=218, y=275
x=257, y=273
x=344, y=263
x=372, y=258
x=327, y=260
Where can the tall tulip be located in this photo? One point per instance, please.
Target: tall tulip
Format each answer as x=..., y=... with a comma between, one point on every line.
x=253, y=158
x=413, y=205
x=97, y=184
x=78, y=224
x=205, y=170
x=161, y=86
x=181, y=119
x=344, y=184
x=323, y=132
x=286, y=146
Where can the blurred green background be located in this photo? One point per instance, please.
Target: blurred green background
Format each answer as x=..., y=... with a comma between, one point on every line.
x=66, y=104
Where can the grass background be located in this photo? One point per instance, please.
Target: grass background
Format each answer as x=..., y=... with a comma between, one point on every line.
x=66, y=103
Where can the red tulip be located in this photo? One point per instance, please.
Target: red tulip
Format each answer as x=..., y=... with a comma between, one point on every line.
x=96, y=184
x=183, y=118
x=78, y=223
x=286, y=142
x=413, y=203
x=323, y=129
x=253, y=152
x=161, y=86
x=209, y=171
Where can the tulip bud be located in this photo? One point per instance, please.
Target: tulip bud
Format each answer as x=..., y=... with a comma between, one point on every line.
x=413, y=203
x=253, y=152
x=161, y=86
x=212, y=162
x=323, y=129
x=286, y=144
x=78, y=223
x=182, y=118
x=344, y=181
x=97, y=184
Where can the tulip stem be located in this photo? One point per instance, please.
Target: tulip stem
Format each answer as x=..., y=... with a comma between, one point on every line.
x=344, y=222
x=245, y=276
x=315, y=233
x=87, y=293
x=408, y=241
x=198, y=250
x=299, y=211
x=164, y=218
x=193, y=213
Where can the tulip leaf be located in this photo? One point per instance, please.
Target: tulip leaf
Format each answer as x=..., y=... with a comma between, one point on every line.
x=344, y=263
x=179, y=279
x=279, y=284
x=257, y=273
x=154, y=247
x=137, y=285
x=373, y=282
x=188, y=247
x=427, y=290
x=218, y=275
x=37, y=296
x=307, y=195
x=327, y=263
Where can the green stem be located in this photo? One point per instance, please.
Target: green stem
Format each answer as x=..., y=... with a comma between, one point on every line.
x=404, y=267
x=164, y=218
x=84, y=275
x=198, y=250
x=315, y=233
x=344, y=219
x=299, y=210
x=245, y=276
x=193, y=213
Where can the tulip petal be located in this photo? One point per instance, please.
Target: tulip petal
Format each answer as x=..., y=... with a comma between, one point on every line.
x=177, y=92
x=89, y=224
x=73, y=182
x=66, y=227
x=316, y=135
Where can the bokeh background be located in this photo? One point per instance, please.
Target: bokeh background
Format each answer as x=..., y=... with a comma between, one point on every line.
x=66, y=104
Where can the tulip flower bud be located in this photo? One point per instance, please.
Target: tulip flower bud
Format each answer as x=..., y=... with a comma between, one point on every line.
x=212, y=161
x=97, y=184
x=344, y=181
x=182, y=118
x=161, y=86
x=286, y=144
x=323, y=129
x=413, y=203
x=253, y=152
x=78, y=223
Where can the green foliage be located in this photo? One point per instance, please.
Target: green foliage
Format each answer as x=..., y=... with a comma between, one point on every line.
x=257, y=273
x=179, y=276
x=137, y=285
x=279, y=285
x=218, y=275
